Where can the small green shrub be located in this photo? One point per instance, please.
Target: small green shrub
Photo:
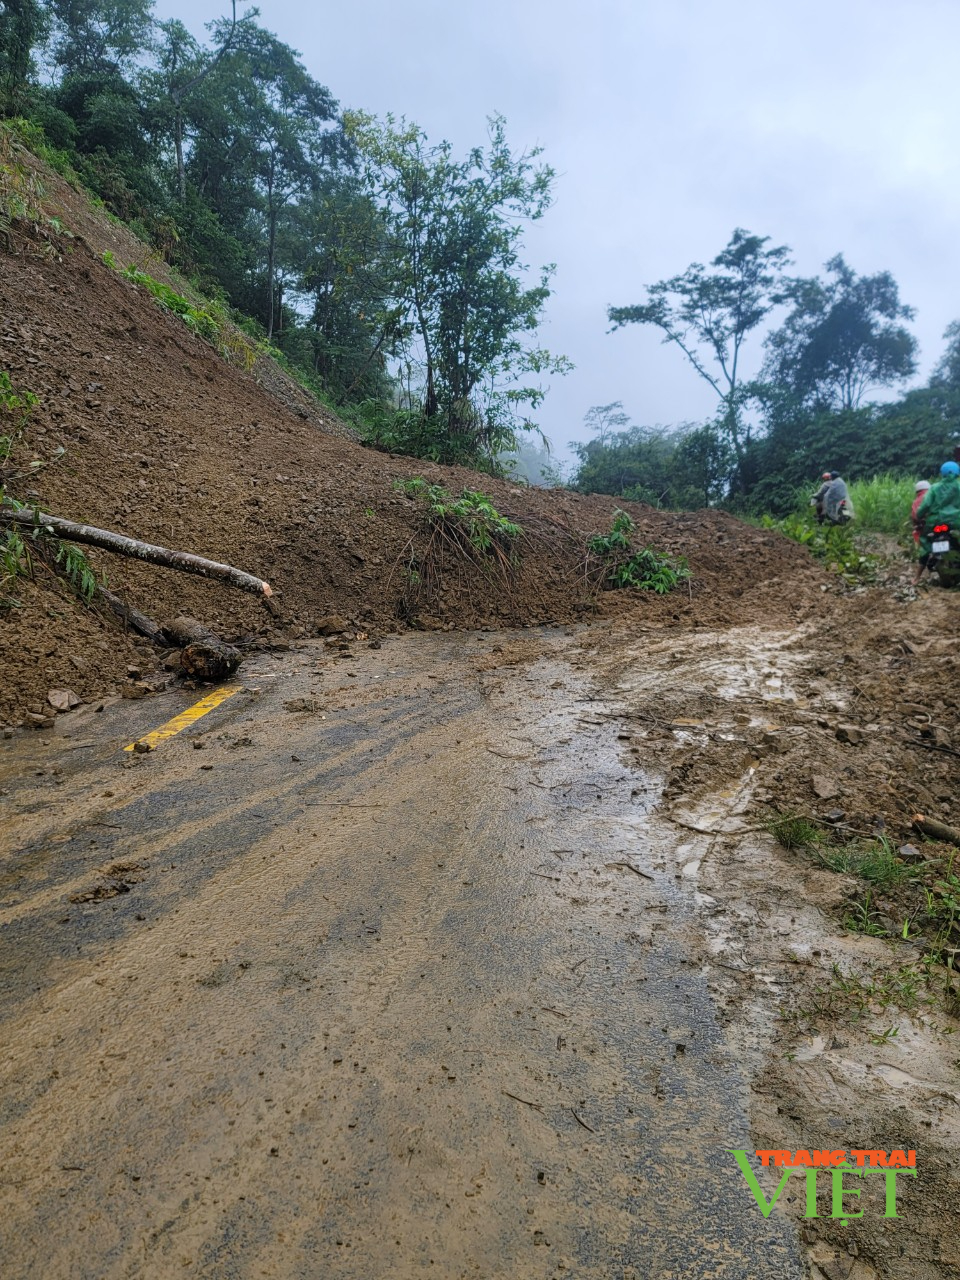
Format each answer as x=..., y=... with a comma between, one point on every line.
x=77, y=570
x=833, y=544
x=472, y=516
x=15, y=408
x=644, y=570
x=17, y=543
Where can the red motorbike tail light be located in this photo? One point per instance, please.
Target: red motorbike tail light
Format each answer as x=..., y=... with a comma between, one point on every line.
x=941, y=528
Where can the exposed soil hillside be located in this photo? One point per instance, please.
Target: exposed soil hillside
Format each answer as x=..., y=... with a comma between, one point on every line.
x=590, y=844
x=167, y=442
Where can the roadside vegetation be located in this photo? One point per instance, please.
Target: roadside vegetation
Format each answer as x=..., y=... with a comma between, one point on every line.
x=907, y=895
x=882, y=506
x=21, y=550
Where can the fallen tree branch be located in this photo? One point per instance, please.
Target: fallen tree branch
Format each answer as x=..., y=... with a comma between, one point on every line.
x=124, y=546
x=131, y=617
x=931, y=746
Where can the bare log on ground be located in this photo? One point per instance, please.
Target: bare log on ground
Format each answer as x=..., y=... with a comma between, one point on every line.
x=130, y=617
x=936, y=830
x=203, y=654
x=124, y=546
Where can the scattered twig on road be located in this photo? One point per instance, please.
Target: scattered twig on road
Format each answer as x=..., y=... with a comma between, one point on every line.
x=706, y=831
x=341, y=804
x=936, y=830
x=540, y=875
x=582, y=1123
x=546, y=1009
x=534, y=1105
x=930, y=746
x=628, y=866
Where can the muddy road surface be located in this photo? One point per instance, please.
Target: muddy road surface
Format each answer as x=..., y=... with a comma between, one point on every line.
x=422, y=959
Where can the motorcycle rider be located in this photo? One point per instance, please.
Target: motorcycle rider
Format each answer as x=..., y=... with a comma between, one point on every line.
x=837, y=507
x=817, y=499
x=940, y=506
x=921, y=490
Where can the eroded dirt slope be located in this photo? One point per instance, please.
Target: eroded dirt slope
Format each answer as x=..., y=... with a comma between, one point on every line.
x=167, y=442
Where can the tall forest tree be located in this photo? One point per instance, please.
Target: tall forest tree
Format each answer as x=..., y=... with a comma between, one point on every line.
x=99, y=37
x=182, y=66
x=844, y=337
x=265, y=130
x=454, y=231
x=23, y=27
x=709, y=312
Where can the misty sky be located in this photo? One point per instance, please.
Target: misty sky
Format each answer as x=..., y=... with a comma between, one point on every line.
x=828, y=125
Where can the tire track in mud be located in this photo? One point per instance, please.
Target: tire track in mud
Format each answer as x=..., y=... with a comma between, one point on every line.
x=398, y=1004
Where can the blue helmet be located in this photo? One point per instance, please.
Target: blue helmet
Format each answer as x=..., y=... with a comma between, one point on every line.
x=950, y=469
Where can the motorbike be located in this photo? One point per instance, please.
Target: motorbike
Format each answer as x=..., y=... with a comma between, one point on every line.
x=945, y=554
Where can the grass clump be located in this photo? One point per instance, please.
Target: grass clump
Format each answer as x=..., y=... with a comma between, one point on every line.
x=205, y=321
x=622, y=567
x=883, y=503
x=793, y=831
x=873, y=860
x=460, y=530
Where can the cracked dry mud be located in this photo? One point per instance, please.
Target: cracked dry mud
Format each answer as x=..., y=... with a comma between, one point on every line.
x=475, y=966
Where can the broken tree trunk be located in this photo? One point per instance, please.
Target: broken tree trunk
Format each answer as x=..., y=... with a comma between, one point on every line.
x=203, y=655
x=124, y=546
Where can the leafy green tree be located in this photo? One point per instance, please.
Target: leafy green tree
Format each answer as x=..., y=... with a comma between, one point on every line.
x=264, y=129
x=454, y=231
x=947, y=372
x=23, y=27
x=182, y=66
x=97, y=37
x=604, y=420
x=335, y=243
x=843, y=338
x=708, y=312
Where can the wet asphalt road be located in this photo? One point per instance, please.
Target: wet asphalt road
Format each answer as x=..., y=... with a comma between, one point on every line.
x=367, y=989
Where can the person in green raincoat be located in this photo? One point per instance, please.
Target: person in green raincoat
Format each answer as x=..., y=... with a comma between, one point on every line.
x=940, y=506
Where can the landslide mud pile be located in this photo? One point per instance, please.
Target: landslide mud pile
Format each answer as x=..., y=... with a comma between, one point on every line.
x=167, y=442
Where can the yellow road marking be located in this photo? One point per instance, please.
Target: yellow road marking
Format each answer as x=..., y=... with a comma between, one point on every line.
x=186, y=718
